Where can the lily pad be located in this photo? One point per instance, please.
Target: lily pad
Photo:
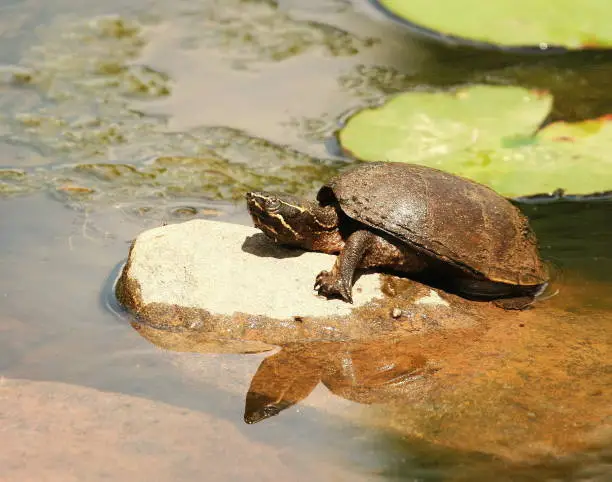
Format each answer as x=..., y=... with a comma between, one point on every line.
x=508, y=23
x=488, y=134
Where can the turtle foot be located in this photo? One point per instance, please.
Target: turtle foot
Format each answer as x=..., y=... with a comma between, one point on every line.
x=329, y=285
x=519, y=303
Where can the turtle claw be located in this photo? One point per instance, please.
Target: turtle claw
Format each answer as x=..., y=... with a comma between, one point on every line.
x=329, y=285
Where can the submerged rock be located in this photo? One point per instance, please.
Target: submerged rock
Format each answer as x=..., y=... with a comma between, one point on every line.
x=231, y=281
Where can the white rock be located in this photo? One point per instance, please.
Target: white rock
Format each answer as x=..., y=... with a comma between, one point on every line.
x=433, y=298
x=225, y=268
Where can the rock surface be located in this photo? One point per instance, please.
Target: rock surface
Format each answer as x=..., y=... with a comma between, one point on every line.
x=232, y=281
x=57, y=432
x=227, y=268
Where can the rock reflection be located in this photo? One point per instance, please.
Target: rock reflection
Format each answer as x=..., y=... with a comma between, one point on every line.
x=385, y=369
x=522, y=386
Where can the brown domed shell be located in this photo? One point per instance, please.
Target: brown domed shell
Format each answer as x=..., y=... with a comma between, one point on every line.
x=450, y=217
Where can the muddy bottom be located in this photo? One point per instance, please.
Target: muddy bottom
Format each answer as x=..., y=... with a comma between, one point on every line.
x=168, y=111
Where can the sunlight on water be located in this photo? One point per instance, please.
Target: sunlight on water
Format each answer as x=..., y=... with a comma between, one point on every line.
x=169, y=111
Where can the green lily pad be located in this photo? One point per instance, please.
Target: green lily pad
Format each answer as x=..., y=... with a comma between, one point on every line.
x=488, y=134
x=420, y=125
x=509, y=23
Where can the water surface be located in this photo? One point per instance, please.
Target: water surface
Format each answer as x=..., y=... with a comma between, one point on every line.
x=248, y=90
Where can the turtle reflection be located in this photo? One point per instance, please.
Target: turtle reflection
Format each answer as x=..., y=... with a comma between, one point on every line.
x=378, y=371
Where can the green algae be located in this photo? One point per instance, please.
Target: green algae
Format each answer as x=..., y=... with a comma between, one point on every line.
x=252, y=31
x=85, y=75
x=15, y=182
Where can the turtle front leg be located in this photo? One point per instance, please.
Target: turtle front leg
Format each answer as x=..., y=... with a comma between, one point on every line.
x=339, y=281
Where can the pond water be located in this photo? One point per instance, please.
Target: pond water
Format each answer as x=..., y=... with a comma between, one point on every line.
x=122, y=116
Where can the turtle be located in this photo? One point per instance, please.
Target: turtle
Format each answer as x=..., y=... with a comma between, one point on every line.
x=428, y=224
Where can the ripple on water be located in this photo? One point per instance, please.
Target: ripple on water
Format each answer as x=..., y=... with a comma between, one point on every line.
x=129, y=120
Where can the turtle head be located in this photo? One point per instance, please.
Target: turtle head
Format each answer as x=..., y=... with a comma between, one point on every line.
x=290, y=220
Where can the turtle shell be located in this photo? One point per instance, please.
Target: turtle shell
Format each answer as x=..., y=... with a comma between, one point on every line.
x=452, y=218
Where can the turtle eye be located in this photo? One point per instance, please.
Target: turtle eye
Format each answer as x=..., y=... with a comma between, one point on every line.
x=273, y=205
